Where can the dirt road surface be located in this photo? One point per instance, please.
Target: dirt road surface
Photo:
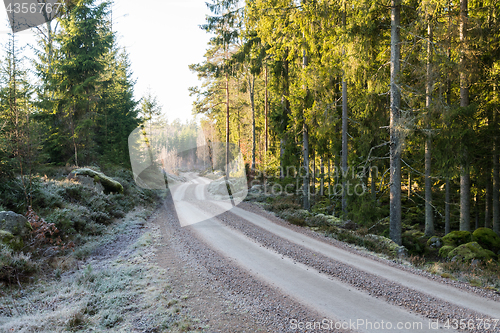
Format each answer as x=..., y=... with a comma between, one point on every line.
x=247, y=271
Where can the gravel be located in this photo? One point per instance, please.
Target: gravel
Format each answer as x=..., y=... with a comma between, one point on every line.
x=413, y=301
x=225, y=297
x=272, y=311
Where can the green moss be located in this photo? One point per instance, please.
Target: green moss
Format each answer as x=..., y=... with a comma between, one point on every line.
x=443, y=251
x=456, y=238
x=5, y=236
x=487, y=238
x=14, y=242
x=110, y=185
x=471, y=251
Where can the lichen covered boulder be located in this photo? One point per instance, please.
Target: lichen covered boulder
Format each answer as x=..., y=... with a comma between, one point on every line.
x=14, y=223
x=487, y=238
x=456, y=238
x=109, y=185
x=295, y=216
x=471, y=251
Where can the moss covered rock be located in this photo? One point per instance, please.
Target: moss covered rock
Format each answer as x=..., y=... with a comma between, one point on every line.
x=295, y=216
x=14, y=223
x=14, y=242
x=445, y=250
x=469, y=252
x=109, y=185
x=386, y=243
x=487, y=238
x=435, y=242
x=456, y=238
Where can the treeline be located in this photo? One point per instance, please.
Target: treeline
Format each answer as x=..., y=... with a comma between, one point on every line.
x=408, y=88
x=73, y=103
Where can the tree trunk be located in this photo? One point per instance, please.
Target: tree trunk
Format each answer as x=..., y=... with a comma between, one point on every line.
x=395, y=146
x=285, y=103
x=496, y=189
x=305, y=139
x=251, y=83
x=487, y=204
x=266, y=110
x=307, y=192
x=373, y=188
x=344, y=132
x=313, y=156
x=476, y=210
x=322, y=177
x=464, y=102
x=429, y=219
x=447, y=226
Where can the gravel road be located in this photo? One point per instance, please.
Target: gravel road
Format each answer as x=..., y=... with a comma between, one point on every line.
x=281, y=278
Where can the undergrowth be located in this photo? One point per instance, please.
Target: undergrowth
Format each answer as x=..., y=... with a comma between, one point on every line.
x=126, y=293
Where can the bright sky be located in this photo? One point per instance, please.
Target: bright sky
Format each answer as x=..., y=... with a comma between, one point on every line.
x=162, y=38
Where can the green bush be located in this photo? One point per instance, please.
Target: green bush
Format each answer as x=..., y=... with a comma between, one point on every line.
x=414, y=241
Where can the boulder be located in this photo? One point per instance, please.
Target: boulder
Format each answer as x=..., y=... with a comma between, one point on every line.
x=456, y=238
x=349, y=225
x=109, y=185
x=13, y=228
x=445, y=250
x=15, y=224
x=470, y=251
x=435, y=242
x=257, y=188
x=387, y=243
x=487, y=238
x=14, y=242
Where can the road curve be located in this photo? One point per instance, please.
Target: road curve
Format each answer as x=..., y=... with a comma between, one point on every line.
x=334, y=299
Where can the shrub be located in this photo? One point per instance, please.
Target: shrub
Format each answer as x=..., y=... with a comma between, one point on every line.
x=15, y=266
x=45, y=234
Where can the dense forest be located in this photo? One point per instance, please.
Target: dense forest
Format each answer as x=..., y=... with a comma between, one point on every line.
x=69, y=102
x=385, y=110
